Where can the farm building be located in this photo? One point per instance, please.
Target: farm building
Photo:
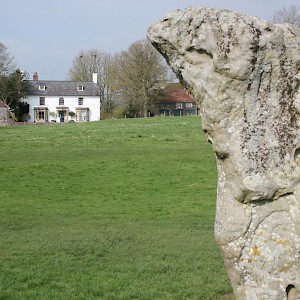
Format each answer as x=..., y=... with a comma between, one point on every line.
x=174, y=100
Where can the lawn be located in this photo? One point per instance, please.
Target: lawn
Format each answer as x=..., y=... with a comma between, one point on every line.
x=116, y=209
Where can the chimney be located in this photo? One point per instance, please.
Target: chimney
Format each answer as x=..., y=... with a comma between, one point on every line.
x=35, y=76
x=95, y=77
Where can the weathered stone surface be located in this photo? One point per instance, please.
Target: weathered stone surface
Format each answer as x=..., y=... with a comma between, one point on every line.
x=4, y=114
x=245, y=74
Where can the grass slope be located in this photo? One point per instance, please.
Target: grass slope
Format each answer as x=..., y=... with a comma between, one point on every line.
x=116, y=209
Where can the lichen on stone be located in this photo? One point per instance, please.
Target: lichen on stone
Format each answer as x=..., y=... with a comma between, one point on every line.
x=244, y=73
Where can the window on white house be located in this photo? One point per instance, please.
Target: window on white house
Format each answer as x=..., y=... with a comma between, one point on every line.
x=82, y=115
x=41, y=115
x=42, y=101
x=61, y=101
x=179, y=105
x=80, y=101
x=42, y=87
x=80, y=88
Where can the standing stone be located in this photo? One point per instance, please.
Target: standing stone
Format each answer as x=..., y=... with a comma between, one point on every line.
x=245, y=75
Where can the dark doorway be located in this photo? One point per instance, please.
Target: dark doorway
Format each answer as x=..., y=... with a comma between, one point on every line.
x=61, y=115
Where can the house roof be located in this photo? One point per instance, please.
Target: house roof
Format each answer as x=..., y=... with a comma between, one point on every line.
x=62, y=88
x=179, y=96
x=174, y=92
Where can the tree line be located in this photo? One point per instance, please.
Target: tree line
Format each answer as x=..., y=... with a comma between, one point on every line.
x=129, y=82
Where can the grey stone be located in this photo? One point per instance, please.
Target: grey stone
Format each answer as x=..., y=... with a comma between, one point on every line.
x=245, y=75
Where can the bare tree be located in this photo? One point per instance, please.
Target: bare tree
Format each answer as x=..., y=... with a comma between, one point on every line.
x=7, y=65
x=94, y=61
x=290, y=15
x=139, y=71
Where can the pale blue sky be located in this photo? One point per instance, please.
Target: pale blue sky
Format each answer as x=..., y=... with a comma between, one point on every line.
x=45, y=35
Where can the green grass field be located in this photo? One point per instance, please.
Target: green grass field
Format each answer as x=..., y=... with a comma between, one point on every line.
x=116, y=209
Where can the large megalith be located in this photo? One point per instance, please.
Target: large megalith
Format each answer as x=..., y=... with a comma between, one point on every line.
x=245, y=75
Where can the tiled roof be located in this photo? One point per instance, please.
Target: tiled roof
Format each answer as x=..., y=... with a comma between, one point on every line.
x=62, y=88
x=179, y=96
x=174, y=92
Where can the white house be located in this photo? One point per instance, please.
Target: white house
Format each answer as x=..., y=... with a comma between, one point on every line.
x=63, y=101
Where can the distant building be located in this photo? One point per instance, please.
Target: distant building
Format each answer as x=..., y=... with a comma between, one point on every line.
x=63, y=101
x=4, y=114
x=174, y=100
